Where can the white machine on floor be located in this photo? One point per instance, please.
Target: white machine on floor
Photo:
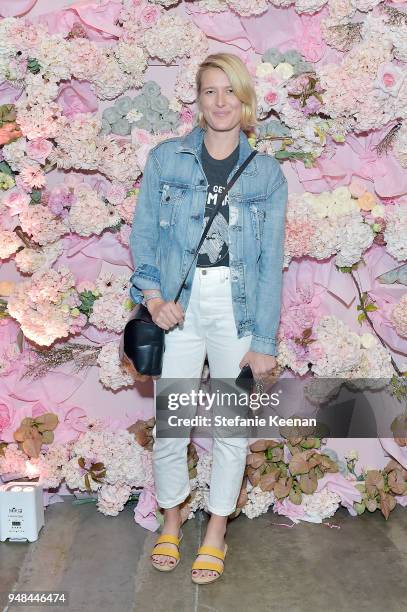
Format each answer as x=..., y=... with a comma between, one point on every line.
x=21, y=511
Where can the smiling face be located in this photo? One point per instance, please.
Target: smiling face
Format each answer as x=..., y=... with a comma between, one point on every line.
x=218, y=103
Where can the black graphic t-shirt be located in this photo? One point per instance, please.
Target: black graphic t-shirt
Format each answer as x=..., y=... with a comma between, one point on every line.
x=215, y=249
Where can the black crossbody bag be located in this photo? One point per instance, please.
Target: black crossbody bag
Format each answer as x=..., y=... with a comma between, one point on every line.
x=143, y=341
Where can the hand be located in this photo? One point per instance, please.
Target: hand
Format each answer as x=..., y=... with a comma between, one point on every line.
x=261, y=365
x=165, y=314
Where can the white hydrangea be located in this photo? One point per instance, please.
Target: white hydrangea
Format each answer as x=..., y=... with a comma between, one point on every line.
x=258, y=503
x=246, y=8
x=395, y=233
x=9, y=243
x=14, y=153
x=321, y=505
x=30, y=260
x=308, y=6
x=111, y=374
x=132, y=60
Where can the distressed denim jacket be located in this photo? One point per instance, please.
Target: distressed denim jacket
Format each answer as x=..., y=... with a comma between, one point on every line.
x=169, y=221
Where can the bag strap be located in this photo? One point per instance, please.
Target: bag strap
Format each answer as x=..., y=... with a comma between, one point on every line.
x=214, y=213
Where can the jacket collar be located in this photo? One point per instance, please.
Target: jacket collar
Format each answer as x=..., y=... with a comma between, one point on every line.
x=192, y=143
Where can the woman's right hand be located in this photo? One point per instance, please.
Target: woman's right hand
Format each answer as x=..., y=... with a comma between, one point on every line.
x=165, y=314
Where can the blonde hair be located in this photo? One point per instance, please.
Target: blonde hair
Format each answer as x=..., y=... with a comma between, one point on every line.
x=240, y=81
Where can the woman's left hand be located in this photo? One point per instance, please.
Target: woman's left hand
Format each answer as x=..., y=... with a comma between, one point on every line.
x=261, y=365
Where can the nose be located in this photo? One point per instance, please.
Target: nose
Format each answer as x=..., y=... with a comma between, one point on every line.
x=220, y=98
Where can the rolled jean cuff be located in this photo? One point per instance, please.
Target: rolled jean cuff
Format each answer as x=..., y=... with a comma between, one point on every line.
x=179, y=500
x=221, y=512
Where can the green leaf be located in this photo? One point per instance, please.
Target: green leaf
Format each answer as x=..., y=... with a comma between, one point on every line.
x=35, y=196
x=4, y=167
x=361, y=317
x=370, y=307
x=33, y=66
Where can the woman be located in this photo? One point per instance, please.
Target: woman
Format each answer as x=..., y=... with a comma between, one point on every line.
x=229, y=308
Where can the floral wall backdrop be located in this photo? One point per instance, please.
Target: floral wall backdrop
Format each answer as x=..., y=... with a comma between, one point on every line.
x=85, y=91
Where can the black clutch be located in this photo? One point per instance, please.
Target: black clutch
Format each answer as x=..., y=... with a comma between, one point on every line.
x=143, y=342
x=245, y=379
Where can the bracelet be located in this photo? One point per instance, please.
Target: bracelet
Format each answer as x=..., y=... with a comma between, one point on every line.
x=151, y=296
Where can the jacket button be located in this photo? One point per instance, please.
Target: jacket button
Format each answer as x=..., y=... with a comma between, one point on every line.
x=201, y=182
x=167, y=198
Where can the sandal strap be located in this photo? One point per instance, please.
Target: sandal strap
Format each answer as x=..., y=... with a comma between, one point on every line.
x=211, y=550
x=168, y=538
x=209, y=565
x=165, y=550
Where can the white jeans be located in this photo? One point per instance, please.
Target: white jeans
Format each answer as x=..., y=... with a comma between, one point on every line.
x=209, y=328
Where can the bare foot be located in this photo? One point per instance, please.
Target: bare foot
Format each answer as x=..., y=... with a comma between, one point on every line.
x=215, y=536
x=172, y=523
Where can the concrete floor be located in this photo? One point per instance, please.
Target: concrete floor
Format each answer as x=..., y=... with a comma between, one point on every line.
x=103, y=565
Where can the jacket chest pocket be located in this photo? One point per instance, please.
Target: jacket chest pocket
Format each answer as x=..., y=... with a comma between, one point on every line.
x=171, y=200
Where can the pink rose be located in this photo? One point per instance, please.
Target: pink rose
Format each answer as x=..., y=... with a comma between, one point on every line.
x=271, y=97
x=39, y=149
x=388, y=79
x=149, y=16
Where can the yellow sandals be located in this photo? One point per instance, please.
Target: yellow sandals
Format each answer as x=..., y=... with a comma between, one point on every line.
x=160, y=549
x=209, y=565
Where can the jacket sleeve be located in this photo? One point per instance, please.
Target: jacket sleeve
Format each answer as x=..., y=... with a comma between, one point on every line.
x=144, y=235
x=268, y=293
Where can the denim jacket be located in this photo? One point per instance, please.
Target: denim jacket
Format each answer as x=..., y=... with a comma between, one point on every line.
x=169, y=221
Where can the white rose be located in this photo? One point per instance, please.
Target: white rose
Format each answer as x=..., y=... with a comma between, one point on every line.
x=367, y=340
x=284, y=70
x=352, y=455
x=264, y=69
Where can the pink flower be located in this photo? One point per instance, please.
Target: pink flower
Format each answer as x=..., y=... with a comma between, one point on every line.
x=140, y=136
x=149, y=16
x=389, y=78
x=310, y=42
x=16, y=201
x=39, y=149
x=33, y=176
x=271, y=97
x=5, y=419
x=186, y=115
